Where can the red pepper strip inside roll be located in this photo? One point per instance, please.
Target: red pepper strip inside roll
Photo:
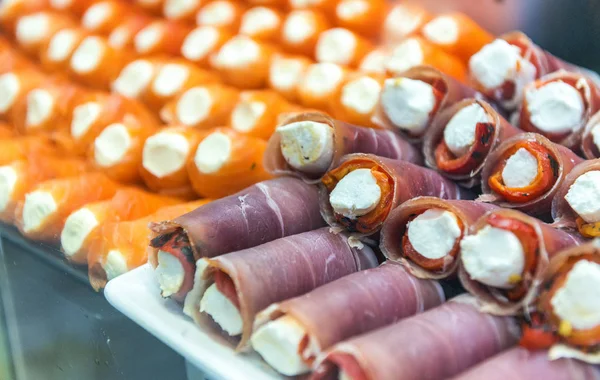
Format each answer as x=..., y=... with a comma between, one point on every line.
x=104, y=16
x=301, y=31
x=504, y=256
x=402, y=21
x=319, y=85
x=34, y=30
x=566, y=317
x=341, y=46
x=123, y=35
x=262, y=23
x=202, y=42
x=161, y=37
x=286, y=73
x=357, y=98
x=364, y=17
x=424, y=234
x=221, y=13
x=55, y=56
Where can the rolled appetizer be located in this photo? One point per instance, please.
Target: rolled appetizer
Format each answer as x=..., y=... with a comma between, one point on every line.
x=226, y=162
x=558, y=106
x=42, y=214
x=203, y=106
x=153, y=7
x=33, y=31
x=565, y=317
x=135, y=78
x=73, y=7
x=119, y=247
x=161, y=37
x=221, y=13
x=292, y=334
x=11, y=11
x=183, y=11
x=56, y=54
x=19, y=177
x=375, y=61
x=342, y=46
x=24, y=147
x=261, y=213
x=359, y=194
x=231, y=289
x=286, y=73
x=123, y=35
x=301, y=30
x=504, y=257
x=364, y=17
x=6, y=131
x=435, y=349
x=424, y=234
x=590, y=139
x=262, y=23
x=11, y=59
x=128, y=203
x=202, y=42
x=403, y=20
x=357, y=98
x=104, y=16
x=14, y=86
x=311, y=144
x=525, y=172
x=460, y=140
x=319, y=85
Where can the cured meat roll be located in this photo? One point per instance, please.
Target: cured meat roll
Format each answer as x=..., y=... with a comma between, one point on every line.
x=403, y=20
x=437, y=349
x=357, y=99
x=135, y=78
x=590, y=139
x=19, y=177
x=221, y=13
x=525, y=172
x=14, y=86
x=457, y=34
x=341, y=46
x=310, y=144
x=231, y=289
x=202, y=42
x=164, y=156
x=424, y=234
x=416, y=51
x=203, y=106
x=123, y=35
x=226, y=162
x=181, y=11
x=321, y=82
x=301, y=30
x=104, y=16
x=364, y=17
x=33, y=31
x=360, y=193
x=56, y=54
x=262, y=23
x=575, y=95
x=460, y=140
x=519, y=364
x=41, y=215
x=290, y=335
x=160, y=37
x=410, y=102
x=565, y=317
x=127, y=204
x=504, y=257
x=261, y=213
x=577, y=203
x=286, y=73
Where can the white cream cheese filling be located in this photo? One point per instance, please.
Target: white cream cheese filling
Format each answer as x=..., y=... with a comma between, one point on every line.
x=8, y=181
x=307, y=146
x=285, y=74
x=323, y=78
x=165, y=153
x=349, y=9
x=111, y=146
x=374, y=62
x=556, y=107
x=246, y=115
x=298, y=27
x=216, y=13
x=200, y=42
x=222, y=311
x=442, y=30
x=84, y=116
x=194, y=106
x=174, y=9
x=170, y=79
x=119, y=37
x=404, y=56
x=494, y=257
x=213, y=152
x=520, y=170
x=400, y=22
x=238, y=52
x=61, y=4
x=38, y=206
x=40, y=104
x=433, y=233
x=459, y=134
x=169, y=273
x=88, y=55
x=10, y=86
x=32, y=28
x=337, y=45
x=61, y=45
x=96, y=15
x=356, y=194
x=148, y=37
x=259, y=19
x=115, y=264
x=408, y=103
x=361, y=95
x=584, y=196
x=77, y=228
x=134, y=78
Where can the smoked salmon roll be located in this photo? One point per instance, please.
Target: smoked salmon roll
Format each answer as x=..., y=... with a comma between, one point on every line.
x=123, y=35
x=301, y=30
x=128, y=203
x=14, y=87
x=95, y=63
x=357, y=98
x=374, y=62
x=56, y=55
x=410, y=102
x=153, y=7
x=13, y=60
x=117, y=151
x=319, y=85
x=360, y=193
x=226, y=162
x=341, y=46
x=402, y=21
x=244, y=62
x=33, y=31
x=11, y=11
x=201, y=106
x=41, y=215
x=73, y=7
x=119, y=247
x=135, y=78
x=104, y=16
x=183, y=11
x=462, y=137
x=262, y=23
x=564, y=318
x=364, y=17
x=6, y=131
x=201, y=43
x=19, y=177
x=504, y=257
x=256, y=113
x=325, y=6
x=457, y=34
x=525, y=172
x=221, y=13
x=415, y=51
x=164, y=157
x=22, y=147
x=310, y=144
x=286, y=73
x=161, y=37
x=424, y=234
x=559, y=106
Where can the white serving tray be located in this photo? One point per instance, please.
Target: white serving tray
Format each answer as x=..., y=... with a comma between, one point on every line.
x=136, y=294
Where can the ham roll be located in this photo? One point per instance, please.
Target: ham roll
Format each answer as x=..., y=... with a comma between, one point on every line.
x=120, y=246
x=410, y=102
x=19, y=177
x=301, y=30
x=565, y=316
x=123, y=35
x=14, y=86
x=135, y=78
x=286, y=73
x=504, y=257
x=226, y=162
x=262, y=23
x=203, y=106
x=56, y=54
x=290, y=335
x=575, y=95
x=519, y=364
x=525, y=172
x=342, y=46
x=201, y=43
x=261, y=213
x=42, y=214
x=164, y=156
x=590, y=138
x=104, y=16
x=359, y=194
x=231, y=289
x=403, y=20
x=321, y=82
x=435, y=348
x=311, y=144
x=457, y=34
x=161, y=37
x=181, y=11
x=127, y=204
x=244, y=62
x=33, y=31
x=416, y=51
x=357, y=99
x=424, y=234
x=221, y=13
x=462, y=137
x=364, y=17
